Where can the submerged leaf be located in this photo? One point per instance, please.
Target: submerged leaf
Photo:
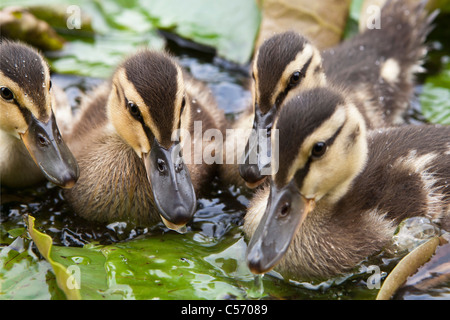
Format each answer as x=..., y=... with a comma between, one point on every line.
x=431, y=276
x=406, y=267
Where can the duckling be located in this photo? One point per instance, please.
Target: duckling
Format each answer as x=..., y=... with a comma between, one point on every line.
x=31, y=148
x=338, y=191
x=378, y=65
x=134, y=167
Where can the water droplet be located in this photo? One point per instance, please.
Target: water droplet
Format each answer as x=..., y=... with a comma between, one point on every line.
x=361, y=48
x=199, y=110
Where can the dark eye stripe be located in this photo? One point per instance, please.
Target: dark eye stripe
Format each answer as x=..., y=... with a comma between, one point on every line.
x=280, y=98
x=301, y=173
x=330, y=141
x=305, y=67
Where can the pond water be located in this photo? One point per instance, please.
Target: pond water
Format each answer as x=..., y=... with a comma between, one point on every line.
x=212, y=252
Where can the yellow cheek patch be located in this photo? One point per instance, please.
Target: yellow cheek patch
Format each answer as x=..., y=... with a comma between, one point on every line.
x=12, y=119
x=322, y=133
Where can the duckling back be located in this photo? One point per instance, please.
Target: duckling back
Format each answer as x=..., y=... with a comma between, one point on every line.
x=380, y=64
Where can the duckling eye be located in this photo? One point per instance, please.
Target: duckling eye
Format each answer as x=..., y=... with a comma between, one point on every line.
x=319, y=149
x=6, y=94
x=295, y=78
x=134, y=109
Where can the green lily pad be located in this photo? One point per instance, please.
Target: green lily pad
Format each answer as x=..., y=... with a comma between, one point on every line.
x=64, y=278
x=110, y=30
x=169, y=266
x=435, y=98
x=230, y=26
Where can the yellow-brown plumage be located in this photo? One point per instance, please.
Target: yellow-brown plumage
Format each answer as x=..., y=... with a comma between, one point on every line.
x=340, y=190
x=148, y=97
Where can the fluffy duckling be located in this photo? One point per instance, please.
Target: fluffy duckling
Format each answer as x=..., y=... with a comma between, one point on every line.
x=134, y=167
x=337, y=191
x=377, y=65
x=31, y=148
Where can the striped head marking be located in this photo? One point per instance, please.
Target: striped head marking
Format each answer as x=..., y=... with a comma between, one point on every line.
x=26, y=112
x=147, y=99
x=24, y=87
x=285, y=63
x=322, y=144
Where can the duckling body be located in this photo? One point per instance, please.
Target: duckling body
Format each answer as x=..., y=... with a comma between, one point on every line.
x=327, y=209
x=31, y=148
x=377, y=67
x=115, y=182
x=380, y=65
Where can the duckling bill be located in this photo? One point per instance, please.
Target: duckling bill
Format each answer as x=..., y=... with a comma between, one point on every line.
x=28, y=127
x=341, y=190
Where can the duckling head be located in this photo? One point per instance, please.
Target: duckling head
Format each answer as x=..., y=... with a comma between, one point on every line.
x=322, y=148
x=146, y=106
x=284, y=64
x=26, y=112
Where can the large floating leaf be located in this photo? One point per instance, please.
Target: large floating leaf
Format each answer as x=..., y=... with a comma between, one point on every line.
x=230, y=26
x=168, y=266
x=118, y=28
